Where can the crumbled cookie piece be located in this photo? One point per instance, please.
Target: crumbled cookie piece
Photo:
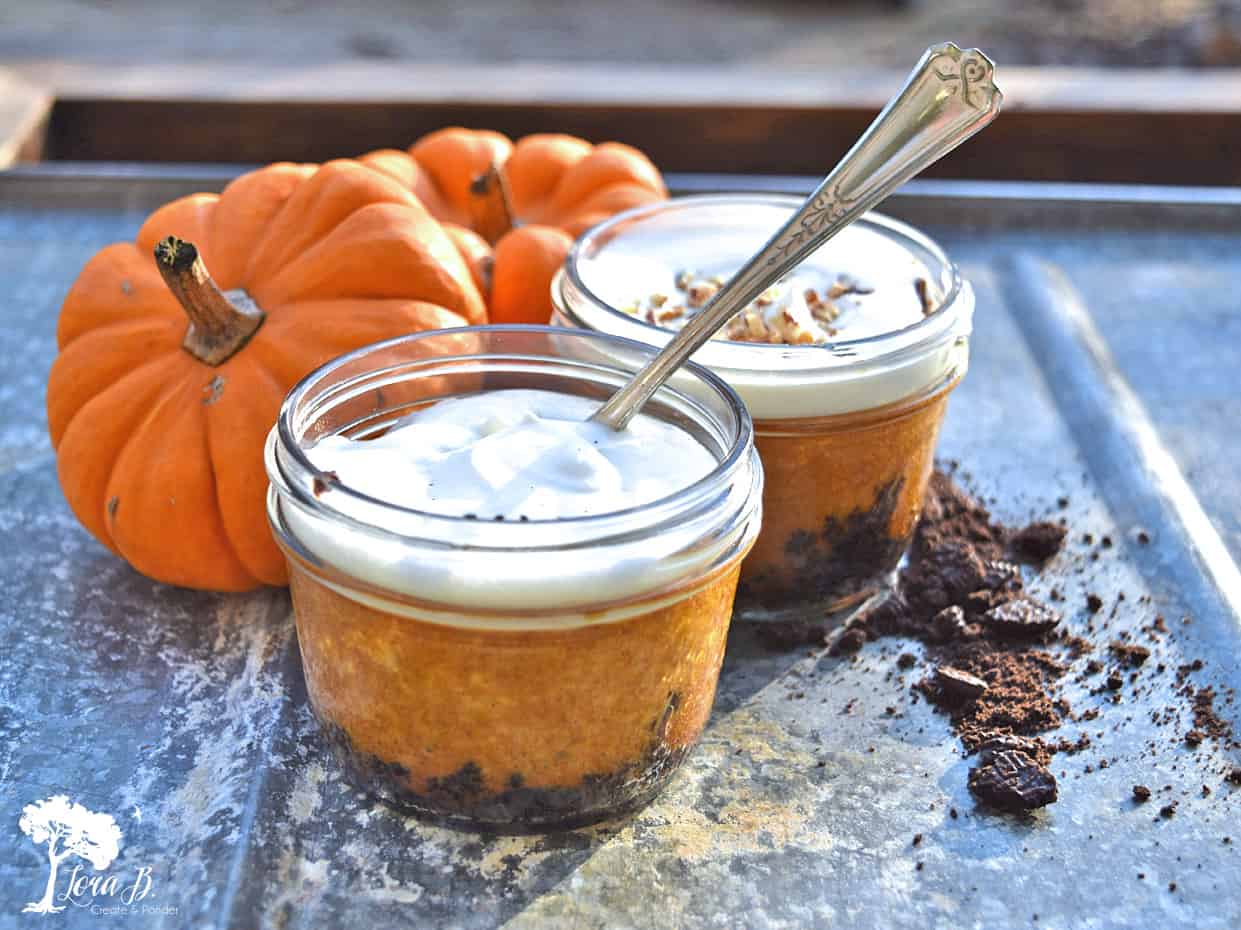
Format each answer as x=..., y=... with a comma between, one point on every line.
x=1021, y=618
x=1012, y=781
x=958, y=685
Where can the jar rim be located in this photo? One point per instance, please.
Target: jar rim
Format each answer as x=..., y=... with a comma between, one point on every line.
x=292, y=473
x=836, y=353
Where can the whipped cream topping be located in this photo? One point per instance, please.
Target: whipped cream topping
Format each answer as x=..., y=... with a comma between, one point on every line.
x=876, y=345
x=516, y=455
x=520, y=454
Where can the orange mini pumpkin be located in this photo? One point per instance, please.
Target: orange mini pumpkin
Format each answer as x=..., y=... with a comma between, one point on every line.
x=528, y=200
x=169, y=377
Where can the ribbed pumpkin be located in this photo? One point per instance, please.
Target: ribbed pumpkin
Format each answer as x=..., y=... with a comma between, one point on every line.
x=529, y=200
x=177, y=349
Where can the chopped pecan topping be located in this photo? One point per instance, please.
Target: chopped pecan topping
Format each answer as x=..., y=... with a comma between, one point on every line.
x=775, y=316
x=699, y=293
x=793, y=332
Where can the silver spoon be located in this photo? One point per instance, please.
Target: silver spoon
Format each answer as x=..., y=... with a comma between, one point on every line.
x=947, y=98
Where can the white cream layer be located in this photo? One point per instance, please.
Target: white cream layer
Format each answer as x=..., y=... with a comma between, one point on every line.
x=515, y=453
x=787, y=382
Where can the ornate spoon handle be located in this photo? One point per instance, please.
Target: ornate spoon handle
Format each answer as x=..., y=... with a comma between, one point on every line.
x=948, y=97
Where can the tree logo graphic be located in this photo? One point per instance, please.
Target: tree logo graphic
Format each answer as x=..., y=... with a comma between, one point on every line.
x=69, y=829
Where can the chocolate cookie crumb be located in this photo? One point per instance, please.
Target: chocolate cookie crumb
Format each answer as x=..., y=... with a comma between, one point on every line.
x=958, y=685
x=1141, y=793
x=790, y=634
x=1021, y=618
x=1032, y=747
x=906, y=660
x=1038, y=542
x=1168, y=810
x=1094, y=603
x=1012, y=781
x=850, y=641
x=1130, y=654
x=1206, y=720
x=948, y=624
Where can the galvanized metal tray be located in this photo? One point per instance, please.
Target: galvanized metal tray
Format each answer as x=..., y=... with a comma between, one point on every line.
x=1106, y=353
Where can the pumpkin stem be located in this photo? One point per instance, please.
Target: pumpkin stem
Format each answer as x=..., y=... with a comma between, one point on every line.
x=490, y=205
x=218, y=326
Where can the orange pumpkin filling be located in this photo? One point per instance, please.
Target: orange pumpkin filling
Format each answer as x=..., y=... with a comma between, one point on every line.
x=523, y=729
x=840, y=500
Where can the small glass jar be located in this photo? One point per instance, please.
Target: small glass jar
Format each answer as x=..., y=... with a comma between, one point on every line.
x=846, y=429
x=512, y=676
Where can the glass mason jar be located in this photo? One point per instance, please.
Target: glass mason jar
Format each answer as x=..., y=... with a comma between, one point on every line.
x=515, y=676
x=847, y=429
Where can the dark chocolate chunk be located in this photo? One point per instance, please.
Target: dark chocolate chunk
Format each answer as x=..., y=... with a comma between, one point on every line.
x=1094, y=603
x=1141, y=793
x=1021, y=618
x=954, y=683
x=1168, y=810
x=1012, y=781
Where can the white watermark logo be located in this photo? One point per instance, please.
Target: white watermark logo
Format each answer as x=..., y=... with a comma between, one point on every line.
x=71, y=830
